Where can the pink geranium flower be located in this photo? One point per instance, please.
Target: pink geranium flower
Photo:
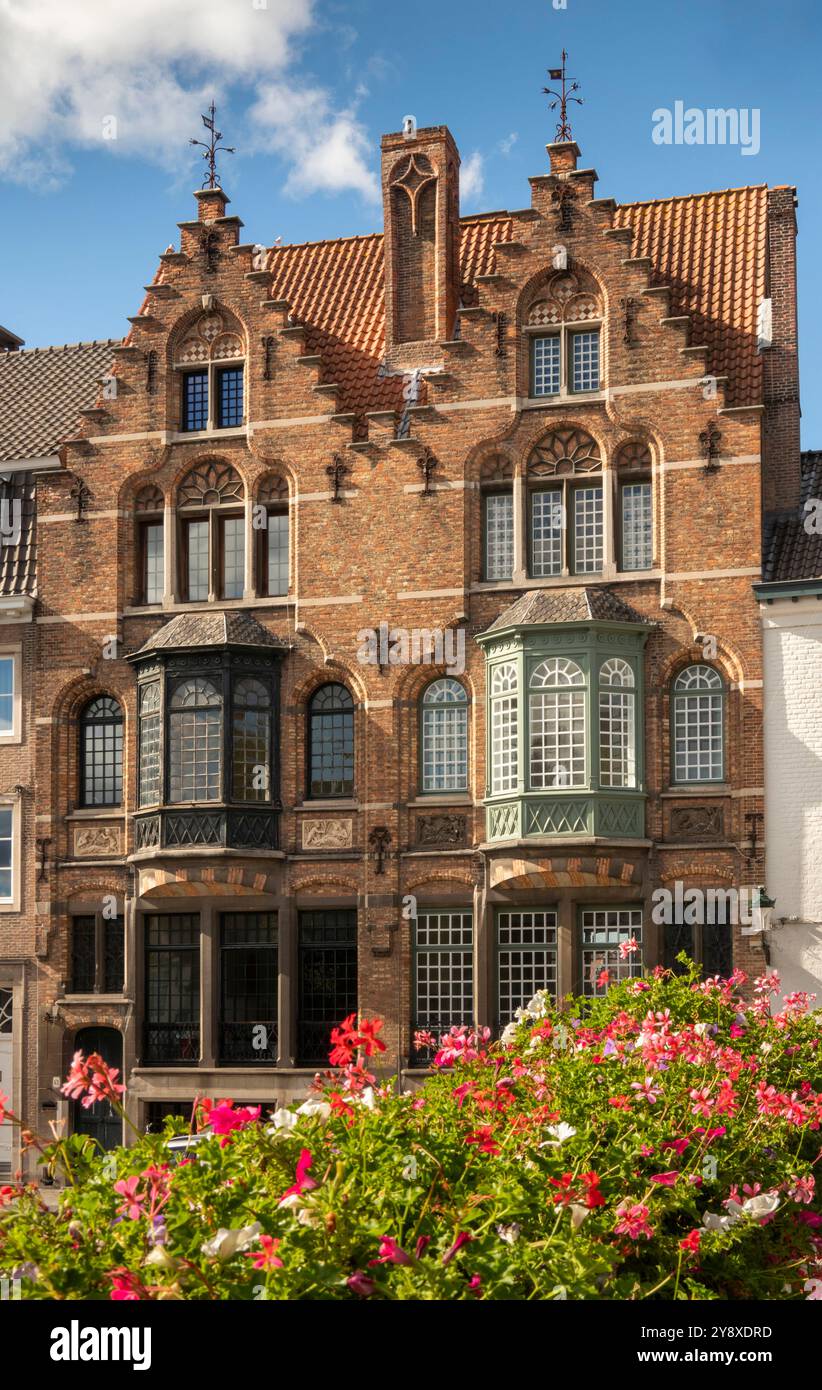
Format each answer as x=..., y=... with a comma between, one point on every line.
x=646, y=1090
x=665, y=1179
x=632, y=1220
x=302, y=1182
x=133, y=1205
x=266, y=1258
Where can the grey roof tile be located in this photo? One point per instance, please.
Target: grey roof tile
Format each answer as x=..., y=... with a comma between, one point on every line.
x=18, y=543
x=212, y=629
x=567, y=606
x=41, y=392
x=789, y=552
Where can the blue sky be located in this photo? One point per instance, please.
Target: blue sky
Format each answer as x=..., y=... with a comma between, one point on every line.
x=305, y=89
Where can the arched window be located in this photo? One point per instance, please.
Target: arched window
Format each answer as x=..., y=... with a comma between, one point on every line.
x=331, y=742
x=504, y=702
x=148, y=508
x=251, y=743
x=565, y=499
x=557, y=724
x=617, y=724
x=101, y=752
x=445, y=737
x=210, y=363
x=698, y=718
x=195, y=736
x=210, y=501
x=635, y=538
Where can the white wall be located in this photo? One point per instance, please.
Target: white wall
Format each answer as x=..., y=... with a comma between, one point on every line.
x=792, y=636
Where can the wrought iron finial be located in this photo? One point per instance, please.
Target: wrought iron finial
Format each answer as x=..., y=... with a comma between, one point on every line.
x=212, y=147
x=562, y=98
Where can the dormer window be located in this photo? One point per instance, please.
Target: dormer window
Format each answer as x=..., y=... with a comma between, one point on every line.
x=564, y=332
x=211, y=362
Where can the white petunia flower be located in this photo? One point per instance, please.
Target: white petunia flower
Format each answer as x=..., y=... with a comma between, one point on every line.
x=561, y=1132
x=227, y=1243
x=314, y=1106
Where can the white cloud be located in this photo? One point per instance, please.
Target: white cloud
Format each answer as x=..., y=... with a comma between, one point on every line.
x=329, y=150
x=472, y=177
x=505, y=146
x=153, y=65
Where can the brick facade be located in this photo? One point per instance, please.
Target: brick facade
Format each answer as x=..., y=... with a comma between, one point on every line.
x=389, y=543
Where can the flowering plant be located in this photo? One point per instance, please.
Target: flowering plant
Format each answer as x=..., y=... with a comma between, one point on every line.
x=659, y=1142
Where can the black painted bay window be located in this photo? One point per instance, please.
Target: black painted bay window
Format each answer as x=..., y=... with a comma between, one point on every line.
x=208, y=752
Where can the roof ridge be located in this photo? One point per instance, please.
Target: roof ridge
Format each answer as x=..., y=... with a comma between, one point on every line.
x=706, y=193
x=58, y=347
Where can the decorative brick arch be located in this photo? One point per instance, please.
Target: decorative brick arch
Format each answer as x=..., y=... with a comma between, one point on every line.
x=204, y=881
x=564, y=871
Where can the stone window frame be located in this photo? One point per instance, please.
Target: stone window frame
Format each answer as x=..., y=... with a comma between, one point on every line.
x=101, y=926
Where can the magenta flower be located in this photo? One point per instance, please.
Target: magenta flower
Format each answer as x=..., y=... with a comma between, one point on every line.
x=665, y=1179
x=133, y=1206
x=462, y=1239
x=360, y=1283
x=633, y=1221
x=391, y=1253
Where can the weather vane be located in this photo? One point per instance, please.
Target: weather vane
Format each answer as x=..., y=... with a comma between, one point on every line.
x=212, y=147
x=562, y=98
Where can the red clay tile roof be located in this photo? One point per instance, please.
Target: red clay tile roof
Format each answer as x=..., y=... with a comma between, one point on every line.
x=710, y=248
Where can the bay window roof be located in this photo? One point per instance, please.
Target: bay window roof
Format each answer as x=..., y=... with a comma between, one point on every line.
x=540, y=607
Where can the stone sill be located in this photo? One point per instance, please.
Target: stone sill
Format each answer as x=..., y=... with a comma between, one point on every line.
x=444, y=799
x=74, y=1000
x=702, y=790
x=564, y=842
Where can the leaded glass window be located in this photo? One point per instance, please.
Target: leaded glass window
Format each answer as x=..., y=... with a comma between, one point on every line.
x=195, y=401
x=276, y=581
x=504, y=702
x=251, y=752
x=149, y=707
x=233, y=556
x=327, y=978
x=229, y=397
x=637, y=526
x=172, y=988
x=617, y=724
x=114, y=955
x=546, y=532
x=545, y=365
x=526, y=959
x=585, y=361
x=557, y=724
x=444, y=737
x=587, y=529
x=195, y=535
x=499, y=535
x=604, y=930
x=698, y=725
x=248, y=987
x=97, y=958
x=83, y=955
x=153, y=563
x=101, y=752
x=195, y=736
x=443, y=970
x=331, y=742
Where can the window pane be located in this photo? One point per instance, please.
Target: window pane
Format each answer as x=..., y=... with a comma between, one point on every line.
x=546, y=533
x=196, y=538
x=327, y=989
x=195, y=755
x=331, y=739
x=444, y=737
x=83, y=955
x=637, y=527
x=545, y=366
x=153, y=578
x=252, y=754
x=114, y=955
x=233, y=528
x=558, y=739
x=504, y=744
x=603, y=930
x=248, y=987
x=617, y=752
x=6, y=694
x=717, y=949
x=526, y=959
x=499, y=535
x=150, y=744
x=443, y=970
x=6, y=825
x=585, y=361
x=698, y=738
x=172, y=1024
x=195, y=401
x=229, y=397
x=102, y=753
x=277, y=554
x=587, y=529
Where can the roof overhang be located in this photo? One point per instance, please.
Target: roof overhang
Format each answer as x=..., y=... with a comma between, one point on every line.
x=16, y=607
x=46, y=463
x=790, y=588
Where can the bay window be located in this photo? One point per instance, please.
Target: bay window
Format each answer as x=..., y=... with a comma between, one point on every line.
x=195, y=741
x=557, y=725
x=617, y=724
x=504, y=730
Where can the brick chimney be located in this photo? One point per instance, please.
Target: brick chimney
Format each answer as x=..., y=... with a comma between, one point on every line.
x=780, y=359
x=421, y=207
